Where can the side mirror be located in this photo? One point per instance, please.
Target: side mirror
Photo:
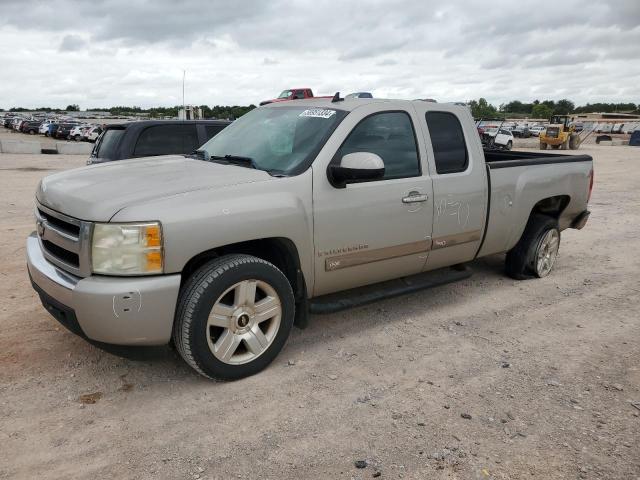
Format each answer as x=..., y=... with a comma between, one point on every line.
x=356, y=167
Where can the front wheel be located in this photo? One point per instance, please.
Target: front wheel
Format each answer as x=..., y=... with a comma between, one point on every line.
x=543, y=146
x=535, y=253
x=509, y=145
x=234, y=316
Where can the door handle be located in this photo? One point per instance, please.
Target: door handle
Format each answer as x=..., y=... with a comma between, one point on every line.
x=415, y=197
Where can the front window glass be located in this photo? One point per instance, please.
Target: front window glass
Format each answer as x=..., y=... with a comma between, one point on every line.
x=390, y=136
x=285, y=94
x=278, y=140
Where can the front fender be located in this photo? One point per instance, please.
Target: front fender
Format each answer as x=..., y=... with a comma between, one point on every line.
x=202, y=220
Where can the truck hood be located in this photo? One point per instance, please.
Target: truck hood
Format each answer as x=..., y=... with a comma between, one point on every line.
x=98, y=192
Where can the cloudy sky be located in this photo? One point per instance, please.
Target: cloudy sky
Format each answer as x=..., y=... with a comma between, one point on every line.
x=133, y=52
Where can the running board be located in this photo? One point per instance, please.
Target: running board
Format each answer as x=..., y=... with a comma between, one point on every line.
x=356, y=297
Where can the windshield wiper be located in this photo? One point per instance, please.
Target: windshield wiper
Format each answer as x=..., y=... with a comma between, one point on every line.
x=198, y=154
x=236, y=160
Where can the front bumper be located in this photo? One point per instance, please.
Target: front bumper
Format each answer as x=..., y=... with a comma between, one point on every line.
x=116, y=310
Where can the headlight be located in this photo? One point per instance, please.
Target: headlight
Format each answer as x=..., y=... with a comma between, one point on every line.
x=127, y=248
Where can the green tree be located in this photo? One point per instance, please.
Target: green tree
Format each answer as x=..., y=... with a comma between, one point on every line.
x=541, y=111
x=483, y=109
x=73, y=108
x=564, y=107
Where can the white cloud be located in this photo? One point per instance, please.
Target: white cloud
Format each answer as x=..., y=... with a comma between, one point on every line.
x=133, y=52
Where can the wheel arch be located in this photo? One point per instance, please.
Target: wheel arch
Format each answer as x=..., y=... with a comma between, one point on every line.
x=280, y=251
x=551, y=206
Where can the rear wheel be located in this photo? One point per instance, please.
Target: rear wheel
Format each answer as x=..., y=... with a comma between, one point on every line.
x=574, y=142
x=509, y=145
x=233, y=317
x=543, y=146
x=535, y=253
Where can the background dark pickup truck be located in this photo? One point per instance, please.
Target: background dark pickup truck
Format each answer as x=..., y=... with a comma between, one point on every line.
x=153, y=137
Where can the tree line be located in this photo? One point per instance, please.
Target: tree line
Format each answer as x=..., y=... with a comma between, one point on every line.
x=217, y=111
x=481, y=108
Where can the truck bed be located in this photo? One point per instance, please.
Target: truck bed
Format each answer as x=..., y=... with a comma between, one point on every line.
x=518, y=180
x=505, y=159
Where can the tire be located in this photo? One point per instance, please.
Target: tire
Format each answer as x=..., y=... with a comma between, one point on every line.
x=565, y=144
x=76, y=138
x=222, y=283
x=574, y=142
x=525, y=260
x=509, y=145
x=543, y=146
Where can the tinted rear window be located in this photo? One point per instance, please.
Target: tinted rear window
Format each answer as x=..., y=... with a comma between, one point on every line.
x=109, y=143
x=447, y=138
x=166, y=140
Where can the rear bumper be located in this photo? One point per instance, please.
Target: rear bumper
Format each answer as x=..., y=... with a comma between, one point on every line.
x=115, y=310
x=581, y=220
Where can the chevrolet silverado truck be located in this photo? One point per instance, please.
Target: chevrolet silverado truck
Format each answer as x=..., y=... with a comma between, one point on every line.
x=295, y=208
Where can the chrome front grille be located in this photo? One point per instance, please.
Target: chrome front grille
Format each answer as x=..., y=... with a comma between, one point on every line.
x=64, y=240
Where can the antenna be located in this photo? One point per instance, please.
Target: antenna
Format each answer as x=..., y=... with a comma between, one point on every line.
x=184, y=74
x=336, y=98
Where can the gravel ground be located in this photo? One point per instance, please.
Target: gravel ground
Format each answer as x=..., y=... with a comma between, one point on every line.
x=485, y=378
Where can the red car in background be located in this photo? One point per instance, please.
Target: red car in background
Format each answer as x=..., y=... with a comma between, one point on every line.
x=291, y=94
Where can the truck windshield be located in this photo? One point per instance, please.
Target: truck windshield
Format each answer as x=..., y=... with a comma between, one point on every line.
x=281, y=140
x=285, y=94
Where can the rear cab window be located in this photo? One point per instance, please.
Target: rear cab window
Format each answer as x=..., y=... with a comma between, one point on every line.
x=447, y=138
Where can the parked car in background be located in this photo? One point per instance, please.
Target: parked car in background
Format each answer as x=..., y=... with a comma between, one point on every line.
x=521, y=131
x=64, y=130
x=630, y=127
x=77, y=132
x=153, y=137
x=359, y=95
x=536, y=130
x=604, y=128
x=497, y=138
x=92, y=134
x=30, y=126
x=617, y=128
x=292, y=94
x=44, y=127
x=16, y=122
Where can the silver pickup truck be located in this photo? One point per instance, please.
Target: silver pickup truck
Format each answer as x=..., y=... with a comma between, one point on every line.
x=297, y=207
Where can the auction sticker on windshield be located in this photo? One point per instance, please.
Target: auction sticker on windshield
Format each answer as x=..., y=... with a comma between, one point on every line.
x=318, y=113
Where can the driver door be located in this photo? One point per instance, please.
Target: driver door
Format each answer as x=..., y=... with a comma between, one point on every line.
x=374, y=230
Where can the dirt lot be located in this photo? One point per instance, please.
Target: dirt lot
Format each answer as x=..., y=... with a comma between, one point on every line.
x=544, y=370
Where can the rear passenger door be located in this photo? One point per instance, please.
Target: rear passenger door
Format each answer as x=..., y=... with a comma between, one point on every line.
x=166, y=140
x=460, y=188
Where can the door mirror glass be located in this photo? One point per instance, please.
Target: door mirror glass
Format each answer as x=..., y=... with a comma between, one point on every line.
x=356, y=167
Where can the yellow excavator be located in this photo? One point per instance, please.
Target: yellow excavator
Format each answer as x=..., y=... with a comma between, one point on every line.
x=560, y=134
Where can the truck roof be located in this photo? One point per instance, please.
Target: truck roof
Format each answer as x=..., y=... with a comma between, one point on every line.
x=350, y=104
